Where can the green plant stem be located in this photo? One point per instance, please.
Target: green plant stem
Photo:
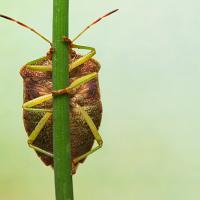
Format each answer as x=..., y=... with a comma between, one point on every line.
x=61, y=130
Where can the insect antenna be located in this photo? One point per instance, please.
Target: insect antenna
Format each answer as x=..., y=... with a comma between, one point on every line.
x=93, y=23
x=25, y=26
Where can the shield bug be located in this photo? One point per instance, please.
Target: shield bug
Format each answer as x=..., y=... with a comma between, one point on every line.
x=84, y=94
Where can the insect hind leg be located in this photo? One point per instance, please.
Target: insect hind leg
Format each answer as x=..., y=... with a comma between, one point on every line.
x=35, y=133
x=94, y=131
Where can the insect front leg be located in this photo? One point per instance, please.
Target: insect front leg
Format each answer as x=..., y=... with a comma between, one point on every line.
x=84, y=58
x=42, y=68
x=77, y=63
x=94, y=131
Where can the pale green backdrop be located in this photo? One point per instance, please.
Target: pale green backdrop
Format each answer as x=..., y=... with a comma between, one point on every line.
x=150, y=79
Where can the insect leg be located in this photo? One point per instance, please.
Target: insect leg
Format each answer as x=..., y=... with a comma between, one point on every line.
x=44, y=68
x=95, y=133
x=84, y=58
x=32, y=137
x=78, y=82
x=36, y=67
x=29, y=104
x=41, y=68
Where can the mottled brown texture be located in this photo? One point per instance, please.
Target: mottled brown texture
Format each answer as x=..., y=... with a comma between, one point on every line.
x=87, y=95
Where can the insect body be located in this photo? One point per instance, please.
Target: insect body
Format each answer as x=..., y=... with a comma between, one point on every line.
x=85, y=103
x=86, y=98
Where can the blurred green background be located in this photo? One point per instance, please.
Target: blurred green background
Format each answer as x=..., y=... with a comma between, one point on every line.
x=149, y=52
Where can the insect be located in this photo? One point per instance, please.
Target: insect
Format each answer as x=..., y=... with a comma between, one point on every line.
x=84, y=94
